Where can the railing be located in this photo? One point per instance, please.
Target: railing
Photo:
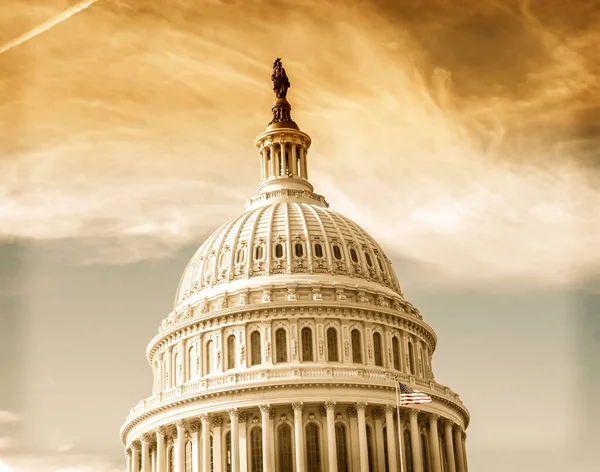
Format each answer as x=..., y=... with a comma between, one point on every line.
x=300, y=373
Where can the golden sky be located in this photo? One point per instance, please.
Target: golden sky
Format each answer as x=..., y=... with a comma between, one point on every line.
x=462, y=134
x=467, y=129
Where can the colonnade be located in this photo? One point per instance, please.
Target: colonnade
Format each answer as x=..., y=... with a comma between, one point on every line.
x=208, y=443
x=283, y=159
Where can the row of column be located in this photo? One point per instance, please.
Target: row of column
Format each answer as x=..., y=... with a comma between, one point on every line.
x=273, y=161
x=140, y=459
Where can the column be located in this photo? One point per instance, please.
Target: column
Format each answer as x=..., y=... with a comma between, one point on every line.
x=243, y=448
x=434, y=443
x=464, y=451
x=415, y=441
x=362, y=437
x=217, y=449
x=135, y=456
x=377, y=415
x=458, y=450
x=390, y=430
x=284, y=169
x=402, y=443
x=196, y=447
x=294, y=163
x=180, y=448
x=299, y=437
x=352, y=415
x=153, y=459
x=331, y=445
x=449, y=446
x=266, y=440
x=161, y=461
x=235, y=459
x=146, y=453
x=205, y=419
x=128, y=460
x=303, y=166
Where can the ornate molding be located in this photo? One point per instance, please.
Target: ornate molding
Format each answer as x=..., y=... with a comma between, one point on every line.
x=377, y=413
x=217, y=421
x=361, y=406
x=329, y=405
x=297, y=406
x=352, y=413
x=233, y=413
x=264, y=409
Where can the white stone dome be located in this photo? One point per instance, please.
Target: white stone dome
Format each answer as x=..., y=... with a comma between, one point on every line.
x=287, y=238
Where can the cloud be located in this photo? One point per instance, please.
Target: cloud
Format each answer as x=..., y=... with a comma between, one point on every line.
x=462, y=137
x=8, y=417
x=59, y=463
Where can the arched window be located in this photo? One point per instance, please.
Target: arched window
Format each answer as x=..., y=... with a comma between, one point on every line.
x=396, y=352
x=171, y=459
x=368, y=259
x=299, y=249
x=307, y=345
x=377, y=349
x=356, y=349
x=255, y=357
x=228, y=458
x=231, y=351
x=178, y=369
x=332, y=345
x=421, y=361
x=209, y=356
x=256, y=449
x=411, y=358
x=380, y=265
x=278, y=250
x=337, y=252
x=386, y=454
x=370, y=447
x=188, y=456
x=313, y=452
x=341, y=447
x=353, y=255
x=280, y=345
x=424, y=454
x=318, y=250
x=408, y=452
x=259, y=252
x=284, y=447
x=192, y=372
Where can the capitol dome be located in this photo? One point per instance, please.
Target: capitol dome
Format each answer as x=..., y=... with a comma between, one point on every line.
x=287, y=342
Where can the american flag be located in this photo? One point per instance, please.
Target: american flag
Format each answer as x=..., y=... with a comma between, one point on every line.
x=408, y=396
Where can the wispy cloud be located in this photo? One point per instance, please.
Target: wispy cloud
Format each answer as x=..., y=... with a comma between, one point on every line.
x=449, y=148
x=59, y=463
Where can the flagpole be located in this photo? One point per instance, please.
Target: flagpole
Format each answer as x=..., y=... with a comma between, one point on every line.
x=398, y=397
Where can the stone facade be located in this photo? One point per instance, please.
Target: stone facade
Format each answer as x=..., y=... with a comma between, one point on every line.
x=288, y=336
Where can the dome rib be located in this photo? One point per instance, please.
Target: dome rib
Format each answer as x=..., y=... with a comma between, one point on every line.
x=307, y=238
x=343, y=246
x=251, y=242
x=235, y=245
x=325, y=238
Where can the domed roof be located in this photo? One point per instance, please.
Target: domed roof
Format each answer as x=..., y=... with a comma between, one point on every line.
x=286, y=238
x=287, y=233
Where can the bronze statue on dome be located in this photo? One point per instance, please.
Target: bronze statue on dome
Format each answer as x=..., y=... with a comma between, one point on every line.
x=281, y=83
